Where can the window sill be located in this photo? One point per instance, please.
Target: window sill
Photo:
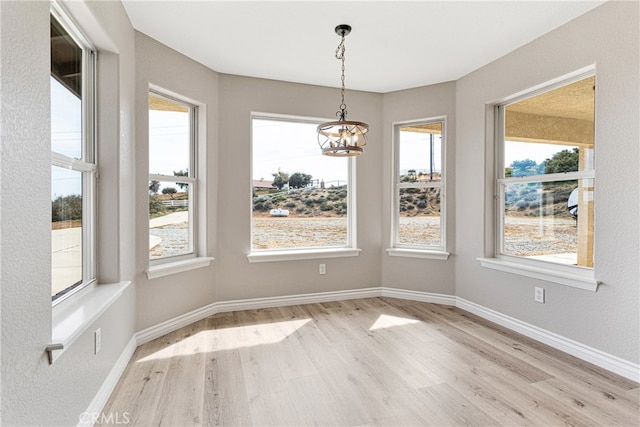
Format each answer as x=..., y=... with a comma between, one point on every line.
x=569, y=276
x=293, y=255
x=418, y=253
x=169, y=268
x=73, y=317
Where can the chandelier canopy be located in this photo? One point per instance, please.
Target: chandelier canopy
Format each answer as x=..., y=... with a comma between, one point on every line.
x=343, y=137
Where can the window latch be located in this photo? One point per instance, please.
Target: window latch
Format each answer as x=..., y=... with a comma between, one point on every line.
x=50, y=349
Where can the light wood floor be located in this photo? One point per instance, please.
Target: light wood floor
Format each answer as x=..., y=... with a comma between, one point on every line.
x=374, y=361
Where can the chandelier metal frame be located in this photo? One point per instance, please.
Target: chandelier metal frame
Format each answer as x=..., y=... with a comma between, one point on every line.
x=342, y=138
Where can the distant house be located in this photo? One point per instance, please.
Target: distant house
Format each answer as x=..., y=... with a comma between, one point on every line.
x=262, y=183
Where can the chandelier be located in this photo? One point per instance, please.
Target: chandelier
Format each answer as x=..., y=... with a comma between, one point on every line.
x=343, y=137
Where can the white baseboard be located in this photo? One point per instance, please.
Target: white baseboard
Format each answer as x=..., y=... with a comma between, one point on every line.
x=441, y=299
x=97, y=404
x=599, y=358
x=171, y=325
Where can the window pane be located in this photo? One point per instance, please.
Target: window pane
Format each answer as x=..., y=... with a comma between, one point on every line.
x=552, y=132
x=419, y=219
x=550, y=221
x=420, y=151
x=66, y=229
x=169, y=219
x=170, y=137
x=300, y=197
x=66, y=93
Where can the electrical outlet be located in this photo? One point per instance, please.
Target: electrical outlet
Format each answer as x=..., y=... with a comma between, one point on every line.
x=322, y=269
x=97, y=340
x=539, y=295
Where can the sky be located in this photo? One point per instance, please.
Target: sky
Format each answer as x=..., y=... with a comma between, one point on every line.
x=533, y=151
x=169, y=141
x=66, y=136
x=293, y=147
x=415, y=152
x=277, y=145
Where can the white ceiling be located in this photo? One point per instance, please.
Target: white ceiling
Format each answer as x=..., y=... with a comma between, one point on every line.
x=394, y=44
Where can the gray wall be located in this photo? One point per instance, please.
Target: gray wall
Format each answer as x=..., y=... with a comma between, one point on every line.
x=157, y=65
x=414, y=274
x=608, y=319
x=235, y=277
x=34, y=392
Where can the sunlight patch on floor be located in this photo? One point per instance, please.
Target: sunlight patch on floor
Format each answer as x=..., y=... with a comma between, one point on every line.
x=386, y=321
x=229, y=339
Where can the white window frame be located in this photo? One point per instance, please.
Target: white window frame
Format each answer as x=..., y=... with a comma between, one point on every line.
x=191, y=180
x=438, y=252
x=570, y=275
x=291, y=254
x=87, y=165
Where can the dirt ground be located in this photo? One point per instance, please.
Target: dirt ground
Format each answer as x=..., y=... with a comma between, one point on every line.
x=525, y=236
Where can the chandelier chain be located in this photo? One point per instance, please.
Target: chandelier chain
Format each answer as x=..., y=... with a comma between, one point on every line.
x=340, y=55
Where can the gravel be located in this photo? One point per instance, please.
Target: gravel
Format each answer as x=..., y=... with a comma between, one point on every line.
x=524, y=236
x=175, y=240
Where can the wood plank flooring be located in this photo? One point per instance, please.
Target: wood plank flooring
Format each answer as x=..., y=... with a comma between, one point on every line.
x=374, y=361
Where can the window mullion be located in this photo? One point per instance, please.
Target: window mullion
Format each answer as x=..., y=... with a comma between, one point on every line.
x=172, y=178
x=552, y=177
x=434, y=184
x=63, y=161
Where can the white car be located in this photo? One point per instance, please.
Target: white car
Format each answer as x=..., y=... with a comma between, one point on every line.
x=279, y=212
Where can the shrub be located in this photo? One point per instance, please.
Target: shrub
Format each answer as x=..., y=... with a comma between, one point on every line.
x=531, y=197
x=65, y=208
x=156, y=208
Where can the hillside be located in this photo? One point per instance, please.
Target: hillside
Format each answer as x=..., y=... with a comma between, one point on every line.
x=535, y=199
x=522, y=200
x=305, y=202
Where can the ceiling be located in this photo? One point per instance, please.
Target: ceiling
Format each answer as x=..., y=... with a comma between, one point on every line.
x=394, y=45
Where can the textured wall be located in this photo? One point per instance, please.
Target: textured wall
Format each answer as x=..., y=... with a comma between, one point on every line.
x=236, y=278
x=156, y=64
x=421, y=103
x=34, y=392
x=608, y=319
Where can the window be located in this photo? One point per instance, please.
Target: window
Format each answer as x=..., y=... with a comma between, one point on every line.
x=172, y=178
x=301, y=200
x=545, y=182
x=73, y=163
x=419, y=186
